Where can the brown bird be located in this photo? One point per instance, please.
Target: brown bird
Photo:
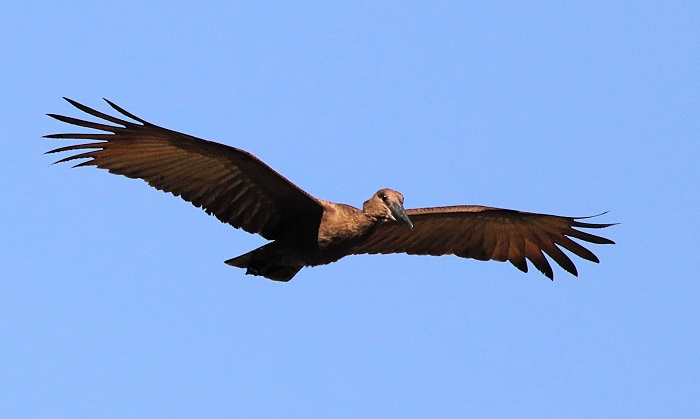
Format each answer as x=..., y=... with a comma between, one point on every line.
x=239, y=189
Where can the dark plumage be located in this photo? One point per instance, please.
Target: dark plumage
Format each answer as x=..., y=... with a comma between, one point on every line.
x=239, y=189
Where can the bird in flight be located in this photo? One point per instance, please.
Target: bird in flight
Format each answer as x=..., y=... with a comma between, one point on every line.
x=241, y=190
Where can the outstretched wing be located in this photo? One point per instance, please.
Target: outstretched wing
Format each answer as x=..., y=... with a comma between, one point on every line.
x=486, y=233
x=232, y=184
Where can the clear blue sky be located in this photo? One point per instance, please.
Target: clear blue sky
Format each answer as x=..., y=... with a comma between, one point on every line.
x=114, y=299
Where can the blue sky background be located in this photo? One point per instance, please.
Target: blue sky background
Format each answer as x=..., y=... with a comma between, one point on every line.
x=114, y=299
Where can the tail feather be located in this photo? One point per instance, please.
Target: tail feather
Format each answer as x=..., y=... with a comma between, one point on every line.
x=255, y=264
x=241, y=261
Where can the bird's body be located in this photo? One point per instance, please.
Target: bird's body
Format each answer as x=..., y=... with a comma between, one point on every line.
x=342, y=223
x=241, y=190
x=342, y=228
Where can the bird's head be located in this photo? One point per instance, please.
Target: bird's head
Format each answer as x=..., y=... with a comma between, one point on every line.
x=387, y=205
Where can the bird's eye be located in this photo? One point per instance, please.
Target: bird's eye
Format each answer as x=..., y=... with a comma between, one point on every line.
x=382, y=196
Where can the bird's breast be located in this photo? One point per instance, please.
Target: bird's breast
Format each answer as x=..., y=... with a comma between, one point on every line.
x=342, y=225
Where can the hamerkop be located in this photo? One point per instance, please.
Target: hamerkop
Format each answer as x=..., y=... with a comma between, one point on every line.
x=239, y=189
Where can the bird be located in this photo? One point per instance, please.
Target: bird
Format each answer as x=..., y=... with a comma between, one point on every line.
x=303, y=231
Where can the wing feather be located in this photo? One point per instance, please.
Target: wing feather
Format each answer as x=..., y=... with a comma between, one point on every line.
x=486, y=233
x=227, y=182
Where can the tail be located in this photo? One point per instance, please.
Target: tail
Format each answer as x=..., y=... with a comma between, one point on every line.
x=259, y=262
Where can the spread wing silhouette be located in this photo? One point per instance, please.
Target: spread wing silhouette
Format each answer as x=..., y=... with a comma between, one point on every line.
x=241, y=190
x=486, y=233
x=232, y=184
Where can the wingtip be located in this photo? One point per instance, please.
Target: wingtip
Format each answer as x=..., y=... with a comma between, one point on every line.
x=591, y=216
x=125, y=112
x=603, y=225
x=570, y=269
x=72, y=102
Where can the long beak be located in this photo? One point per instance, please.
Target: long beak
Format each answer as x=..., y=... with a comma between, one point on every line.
x=399, y=214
